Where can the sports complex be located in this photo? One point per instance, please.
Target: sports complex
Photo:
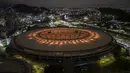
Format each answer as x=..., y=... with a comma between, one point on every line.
x=54, y=45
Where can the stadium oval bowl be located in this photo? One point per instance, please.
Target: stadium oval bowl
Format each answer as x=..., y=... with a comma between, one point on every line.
x=63, y=42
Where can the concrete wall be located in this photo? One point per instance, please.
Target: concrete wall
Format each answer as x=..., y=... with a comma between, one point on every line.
x=72, y=3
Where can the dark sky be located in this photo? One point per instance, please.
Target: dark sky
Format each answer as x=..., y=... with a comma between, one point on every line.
x=72, y=3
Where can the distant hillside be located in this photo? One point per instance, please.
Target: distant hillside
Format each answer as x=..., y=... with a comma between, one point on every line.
x=122, y=15
x=28, y=9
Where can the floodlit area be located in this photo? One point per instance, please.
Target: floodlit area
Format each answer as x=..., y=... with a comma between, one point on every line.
x=37, y=67
x=106, y=60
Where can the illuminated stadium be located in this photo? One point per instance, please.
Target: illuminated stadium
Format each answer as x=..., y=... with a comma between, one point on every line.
x=53, y=45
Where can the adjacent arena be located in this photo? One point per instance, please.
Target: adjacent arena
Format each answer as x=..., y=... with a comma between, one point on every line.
x=59, y=43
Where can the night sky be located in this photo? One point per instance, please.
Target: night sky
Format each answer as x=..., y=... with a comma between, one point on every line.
x=72, y=3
